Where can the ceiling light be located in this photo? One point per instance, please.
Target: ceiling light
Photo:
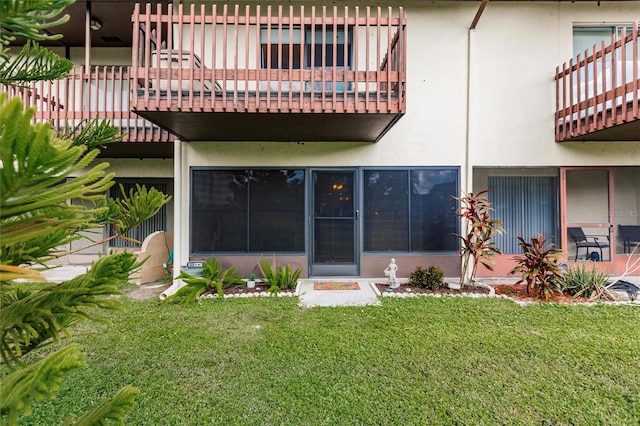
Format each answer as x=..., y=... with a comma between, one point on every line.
x=95, y=24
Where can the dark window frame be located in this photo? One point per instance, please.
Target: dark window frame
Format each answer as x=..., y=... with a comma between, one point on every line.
x=248, y=217
x=409, y=230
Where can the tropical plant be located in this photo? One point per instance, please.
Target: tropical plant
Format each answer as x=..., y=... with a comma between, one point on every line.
x=278, y=278
x=581, y=281
x=538, y=265
x=39, y=173
x=429, y=278
x=477, y=247
x=213, y=279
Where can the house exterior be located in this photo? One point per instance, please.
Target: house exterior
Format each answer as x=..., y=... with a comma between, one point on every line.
x=333, y=135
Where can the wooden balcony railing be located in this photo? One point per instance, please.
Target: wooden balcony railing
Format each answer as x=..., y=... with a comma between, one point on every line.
x=269, y=59
x=100, y=93
x=600, y=91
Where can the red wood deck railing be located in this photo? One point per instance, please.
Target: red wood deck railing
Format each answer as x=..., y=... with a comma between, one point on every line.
x=600, y=89
x=102, y=92
x=270, y=59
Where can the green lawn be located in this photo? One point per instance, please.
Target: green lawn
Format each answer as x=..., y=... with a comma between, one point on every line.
x=410, y=361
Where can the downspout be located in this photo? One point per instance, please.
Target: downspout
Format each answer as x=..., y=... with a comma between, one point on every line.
x=177, y=220
x=467, y=182
x=468, y=168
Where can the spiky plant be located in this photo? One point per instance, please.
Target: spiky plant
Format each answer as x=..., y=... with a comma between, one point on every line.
x=538, y=265
x=277, y=278
x=39, y=172
x=213, y=279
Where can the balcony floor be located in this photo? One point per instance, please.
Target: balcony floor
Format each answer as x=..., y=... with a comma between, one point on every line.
x=282, y=127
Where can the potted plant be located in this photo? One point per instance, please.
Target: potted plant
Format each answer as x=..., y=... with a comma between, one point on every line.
x=252, y=281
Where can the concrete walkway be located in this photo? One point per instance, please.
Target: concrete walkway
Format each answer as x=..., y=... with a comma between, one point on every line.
x=310, y=297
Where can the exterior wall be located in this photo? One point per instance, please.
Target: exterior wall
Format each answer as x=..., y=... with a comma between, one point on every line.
x=509, y=61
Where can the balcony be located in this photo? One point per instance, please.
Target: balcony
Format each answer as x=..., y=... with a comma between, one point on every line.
x=98, y=93
x=597, y=96
x=224, y=73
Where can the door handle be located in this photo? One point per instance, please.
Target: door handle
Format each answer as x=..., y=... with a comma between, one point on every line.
x=357, y=214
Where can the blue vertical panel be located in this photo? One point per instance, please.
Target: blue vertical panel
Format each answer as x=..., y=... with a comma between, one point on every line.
x=526, y=205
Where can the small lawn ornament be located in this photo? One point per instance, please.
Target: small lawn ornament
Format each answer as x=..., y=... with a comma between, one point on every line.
x=391, y=271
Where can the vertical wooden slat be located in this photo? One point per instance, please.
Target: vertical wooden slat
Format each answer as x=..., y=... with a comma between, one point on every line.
x=334, y=76
x=57, y=104
x=389, y=58
x=268, y=56
x=356, y=57
x=279, y=60
x=302, y=59
x=192, y=55
x=180, y=28
x=135, y=45
x=345, y=58
x=603, y=82
x=614, y=80
x=594, y=88
x=578, y=96
x=366, y=70
x=623, y=65
x=313, y=57
x=236, y=15
x=571, y=101
x=291, y=58
x=378, y=59
x=404, y=61
x=246, y=57
x=258, y=60
x=214, y=42
x=636, y=75
x=157, y=47
x=323, y=89
x=225, y=41
x=202, y=27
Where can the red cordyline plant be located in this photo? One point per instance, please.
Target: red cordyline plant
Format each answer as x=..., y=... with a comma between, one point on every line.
x=477, y=247
x=538, y=265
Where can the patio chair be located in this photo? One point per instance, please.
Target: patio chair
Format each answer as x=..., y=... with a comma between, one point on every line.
x=630, y=237
x=586, y=241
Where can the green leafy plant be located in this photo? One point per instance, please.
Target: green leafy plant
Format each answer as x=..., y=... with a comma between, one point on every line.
x=252, y=277
x=477, y=247
x=282, y=277
x=582, y=281
x=213, y=279
x=39, y=173
x=429, y=278
x=538, y=265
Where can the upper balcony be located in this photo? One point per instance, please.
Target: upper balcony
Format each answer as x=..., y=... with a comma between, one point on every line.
x=270, y=74
x=100, y=92
x=597, y=96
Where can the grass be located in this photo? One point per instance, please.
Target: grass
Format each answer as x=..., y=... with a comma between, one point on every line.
x=410, y=362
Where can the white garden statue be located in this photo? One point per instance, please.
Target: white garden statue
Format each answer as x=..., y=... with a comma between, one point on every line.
x=391, y=271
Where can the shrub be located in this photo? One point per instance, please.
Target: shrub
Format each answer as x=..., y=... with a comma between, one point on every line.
x=213, y=279
x=429, y=278
x=282, y=277
x=538, y=265
x=584, y=282
x=479, y=227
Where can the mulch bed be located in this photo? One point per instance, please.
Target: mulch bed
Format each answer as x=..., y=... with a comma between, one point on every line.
x=406, y=288
x=519, y=292
x=242, y=288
